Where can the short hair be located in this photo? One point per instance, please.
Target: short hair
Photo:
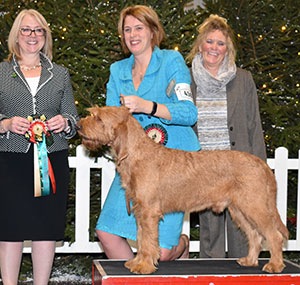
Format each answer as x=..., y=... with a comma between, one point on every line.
x=213, y=23
x=148, y=17
x=13, y=45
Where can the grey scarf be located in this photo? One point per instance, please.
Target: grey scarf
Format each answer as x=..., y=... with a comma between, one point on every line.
x=211, y=101
x=207, y=83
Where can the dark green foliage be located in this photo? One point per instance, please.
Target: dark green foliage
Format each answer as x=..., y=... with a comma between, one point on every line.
x=86, y=41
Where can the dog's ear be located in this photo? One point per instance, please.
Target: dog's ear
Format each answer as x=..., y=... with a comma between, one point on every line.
x=119, y=121
x=95, y=112
x=120, y=141
x=124, y=113
x=120, y=134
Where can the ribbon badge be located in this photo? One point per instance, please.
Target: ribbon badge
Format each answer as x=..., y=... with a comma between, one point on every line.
x=40, y=136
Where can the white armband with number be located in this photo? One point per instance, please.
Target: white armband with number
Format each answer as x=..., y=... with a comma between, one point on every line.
x=183, y=92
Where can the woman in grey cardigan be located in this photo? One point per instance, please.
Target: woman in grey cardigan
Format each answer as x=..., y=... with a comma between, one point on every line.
x=37, y=116
x=228, y=119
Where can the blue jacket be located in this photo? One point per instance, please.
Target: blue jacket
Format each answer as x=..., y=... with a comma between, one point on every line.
x=164, y=66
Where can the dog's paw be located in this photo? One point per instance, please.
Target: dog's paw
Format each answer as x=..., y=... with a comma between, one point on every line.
x=140, y=267
x=273, y=267
x=130, y=263
x=246, y=261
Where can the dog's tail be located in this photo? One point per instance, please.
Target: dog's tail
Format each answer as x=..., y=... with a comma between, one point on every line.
x=281, y=227
x=272, y=188
x=284, y=231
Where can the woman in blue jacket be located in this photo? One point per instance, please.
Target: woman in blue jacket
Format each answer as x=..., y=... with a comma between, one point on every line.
x=155, y=85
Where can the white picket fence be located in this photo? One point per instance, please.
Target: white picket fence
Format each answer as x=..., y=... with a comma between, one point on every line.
x=83, y=164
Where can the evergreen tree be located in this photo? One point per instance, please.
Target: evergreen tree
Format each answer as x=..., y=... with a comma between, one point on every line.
x=86, y=41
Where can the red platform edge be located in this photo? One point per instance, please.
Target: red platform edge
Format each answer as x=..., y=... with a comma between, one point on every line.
x=100, y=278
x=207, y=280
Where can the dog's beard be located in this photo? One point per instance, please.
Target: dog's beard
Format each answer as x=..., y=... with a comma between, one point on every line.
x=91, y=143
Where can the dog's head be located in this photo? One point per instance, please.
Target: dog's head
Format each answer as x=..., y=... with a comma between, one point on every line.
x=99, y=128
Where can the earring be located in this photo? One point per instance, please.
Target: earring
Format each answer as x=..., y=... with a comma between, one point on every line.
x=17, y=41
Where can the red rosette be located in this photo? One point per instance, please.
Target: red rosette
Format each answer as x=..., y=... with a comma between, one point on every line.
x=37, y=128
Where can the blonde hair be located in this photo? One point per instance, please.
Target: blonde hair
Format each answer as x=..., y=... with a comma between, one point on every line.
x=148, y=17
x=13, y=45
x=212, y=23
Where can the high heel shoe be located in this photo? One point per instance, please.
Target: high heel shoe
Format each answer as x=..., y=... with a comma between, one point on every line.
x=186, y=252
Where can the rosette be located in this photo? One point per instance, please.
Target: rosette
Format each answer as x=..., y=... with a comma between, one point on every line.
x=39, y=134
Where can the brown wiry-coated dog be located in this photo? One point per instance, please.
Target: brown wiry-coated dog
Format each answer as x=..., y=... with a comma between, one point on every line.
x=187, y=181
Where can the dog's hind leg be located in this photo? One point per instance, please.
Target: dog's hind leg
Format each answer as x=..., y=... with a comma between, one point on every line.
x=253, y=237
x=263, y=220
x=274, y=240
x=275, y=233
x=258, y=225
x=148, y=251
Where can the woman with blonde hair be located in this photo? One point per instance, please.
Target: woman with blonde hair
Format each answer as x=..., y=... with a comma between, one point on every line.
x=155, y=85
x=37, y=116
x=228, y=119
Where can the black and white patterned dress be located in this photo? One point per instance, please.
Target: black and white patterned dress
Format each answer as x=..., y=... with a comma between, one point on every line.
x=22, y=216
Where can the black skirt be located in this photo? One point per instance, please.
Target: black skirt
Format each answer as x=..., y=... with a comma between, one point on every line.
x=22, y=216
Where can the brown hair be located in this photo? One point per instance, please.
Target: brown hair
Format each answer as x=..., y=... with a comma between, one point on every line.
x=13, y=45
x=148, y=17
x=212, y=23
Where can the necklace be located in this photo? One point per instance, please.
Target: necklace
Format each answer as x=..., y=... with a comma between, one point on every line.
x=141, y=75
x=28, y=68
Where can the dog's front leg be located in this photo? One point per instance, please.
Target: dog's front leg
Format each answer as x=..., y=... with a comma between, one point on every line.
x=148, y=251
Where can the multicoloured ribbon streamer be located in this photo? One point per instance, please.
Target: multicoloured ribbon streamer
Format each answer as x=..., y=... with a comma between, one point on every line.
x=43, y=172
x=43, y=165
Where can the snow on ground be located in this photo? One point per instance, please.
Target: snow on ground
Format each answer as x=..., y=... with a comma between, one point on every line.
x=61, y=279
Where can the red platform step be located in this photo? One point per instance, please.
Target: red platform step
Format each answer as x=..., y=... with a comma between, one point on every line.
x=195, y=271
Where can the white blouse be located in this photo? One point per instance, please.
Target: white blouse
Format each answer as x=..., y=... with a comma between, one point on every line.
x=33, y=83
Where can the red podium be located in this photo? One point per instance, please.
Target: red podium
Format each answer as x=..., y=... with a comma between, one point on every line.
x=195, y=271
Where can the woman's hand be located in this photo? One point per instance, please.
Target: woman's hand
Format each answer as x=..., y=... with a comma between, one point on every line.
x=136, y=104
x=16, y=125
x=57, y=124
